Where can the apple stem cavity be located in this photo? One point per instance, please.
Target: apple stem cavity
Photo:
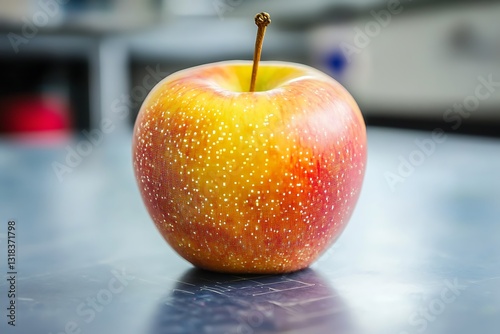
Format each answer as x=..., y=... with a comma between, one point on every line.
x=262, y=20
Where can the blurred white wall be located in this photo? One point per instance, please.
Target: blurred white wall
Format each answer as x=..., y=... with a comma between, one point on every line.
x=418, y=62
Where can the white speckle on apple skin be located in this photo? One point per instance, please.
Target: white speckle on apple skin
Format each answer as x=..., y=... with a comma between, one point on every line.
x=249, y=182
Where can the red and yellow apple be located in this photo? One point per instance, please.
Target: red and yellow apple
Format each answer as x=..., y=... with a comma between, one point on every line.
x=250, y=182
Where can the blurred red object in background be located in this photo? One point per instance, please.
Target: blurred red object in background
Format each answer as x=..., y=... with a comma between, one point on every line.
x=34, y=114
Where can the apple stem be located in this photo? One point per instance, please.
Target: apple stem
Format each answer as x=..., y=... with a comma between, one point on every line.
x=262, y=20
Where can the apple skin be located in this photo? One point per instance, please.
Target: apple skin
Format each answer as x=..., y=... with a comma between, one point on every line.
x=249, y=182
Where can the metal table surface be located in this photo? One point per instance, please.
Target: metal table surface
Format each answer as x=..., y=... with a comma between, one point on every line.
x=422, y=256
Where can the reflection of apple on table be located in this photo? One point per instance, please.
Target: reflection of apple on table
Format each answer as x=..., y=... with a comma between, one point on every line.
x=250, y=180
x=207, y=302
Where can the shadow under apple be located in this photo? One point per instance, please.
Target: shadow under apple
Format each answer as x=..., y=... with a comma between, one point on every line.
x=208, y=302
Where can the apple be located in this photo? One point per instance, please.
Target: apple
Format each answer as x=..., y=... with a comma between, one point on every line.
x=242, y=181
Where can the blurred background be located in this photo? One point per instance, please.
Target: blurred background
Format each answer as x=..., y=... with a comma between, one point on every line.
x=67, y=64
